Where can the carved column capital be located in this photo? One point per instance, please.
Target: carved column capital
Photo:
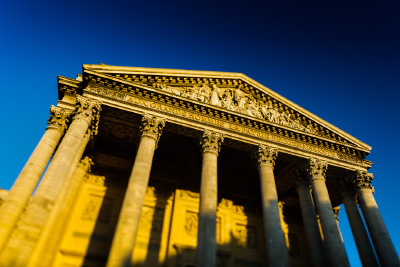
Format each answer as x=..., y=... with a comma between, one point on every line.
x=88, y=109
x=266, y=155
x=211, y=141
x=59, y=118
x=152, y=126
x=363, y=181
x=317, y=169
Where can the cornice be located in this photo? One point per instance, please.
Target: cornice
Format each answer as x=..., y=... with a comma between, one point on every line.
x=68, y=86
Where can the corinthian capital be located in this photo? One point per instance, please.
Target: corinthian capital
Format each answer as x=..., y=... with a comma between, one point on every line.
x=59, y=118
x=363, y=181
x=211, y=141
x=88, y=109
x=317, y=169
x=266, y=155
x=152, y=126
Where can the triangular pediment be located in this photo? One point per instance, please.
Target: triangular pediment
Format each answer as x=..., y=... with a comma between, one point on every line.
x=240, y=98
x=232, y=91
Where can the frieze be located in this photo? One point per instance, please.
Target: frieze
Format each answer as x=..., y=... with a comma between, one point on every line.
x=271, y=134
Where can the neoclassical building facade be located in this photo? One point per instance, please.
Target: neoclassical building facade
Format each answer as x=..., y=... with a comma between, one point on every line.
x=161, y=167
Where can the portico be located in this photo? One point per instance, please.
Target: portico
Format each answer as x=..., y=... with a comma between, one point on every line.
x=191, y=167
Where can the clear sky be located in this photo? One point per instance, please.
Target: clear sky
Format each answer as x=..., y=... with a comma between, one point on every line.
x=337, y=59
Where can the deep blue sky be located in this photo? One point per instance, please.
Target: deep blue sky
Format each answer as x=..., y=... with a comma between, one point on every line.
x=337, y=59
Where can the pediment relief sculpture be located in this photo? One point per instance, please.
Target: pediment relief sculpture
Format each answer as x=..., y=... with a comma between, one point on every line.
x=235, y=99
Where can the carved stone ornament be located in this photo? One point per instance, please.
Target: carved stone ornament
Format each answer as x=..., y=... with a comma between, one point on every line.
x=88, y=109
x=211, y=141
x=317, y=168
x=59, y=117
x=86, y=164
x=363, y=181
x=236, y=99
x=266, y=155
x=152, y=126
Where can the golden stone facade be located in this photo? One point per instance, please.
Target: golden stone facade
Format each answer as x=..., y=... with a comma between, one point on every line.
x=159, y=167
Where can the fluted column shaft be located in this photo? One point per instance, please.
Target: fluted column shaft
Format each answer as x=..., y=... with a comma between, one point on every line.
x=206, y=253
x=128, y=221
x=380, y=236
x=21, y=191
x=310, y=223
x=277, y=254
x=334, y=247
x=19, y=248
x=360, y=234
x=47, y=245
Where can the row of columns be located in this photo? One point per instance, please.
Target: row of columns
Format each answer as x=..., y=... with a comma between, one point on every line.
x=313, y=180
x=42, y=207
x=23, y=216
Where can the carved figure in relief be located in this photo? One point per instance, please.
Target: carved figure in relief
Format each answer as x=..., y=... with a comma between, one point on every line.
x=284, y=118
x=253, y=108
x=191, y=224
x=227, y=99
x=264, y=111
x=237, y=100
x=296, y=123
x=193, y=93
x=90, y=212
x=310, y=128
x=273, y=114
x=203, y=93
x=241, y=99
x=215, y=96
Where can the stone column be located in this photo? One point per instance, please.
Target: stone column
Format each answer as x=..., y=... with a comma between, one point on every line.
x=27, y=180
x=24, y=238
x=336, y=211
x=128, y=222
x=206, y=253
x=333, y=242
x=276, y=250
x=360, y=234
x=384, y=248
x=310, y=221
x=47, y=245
